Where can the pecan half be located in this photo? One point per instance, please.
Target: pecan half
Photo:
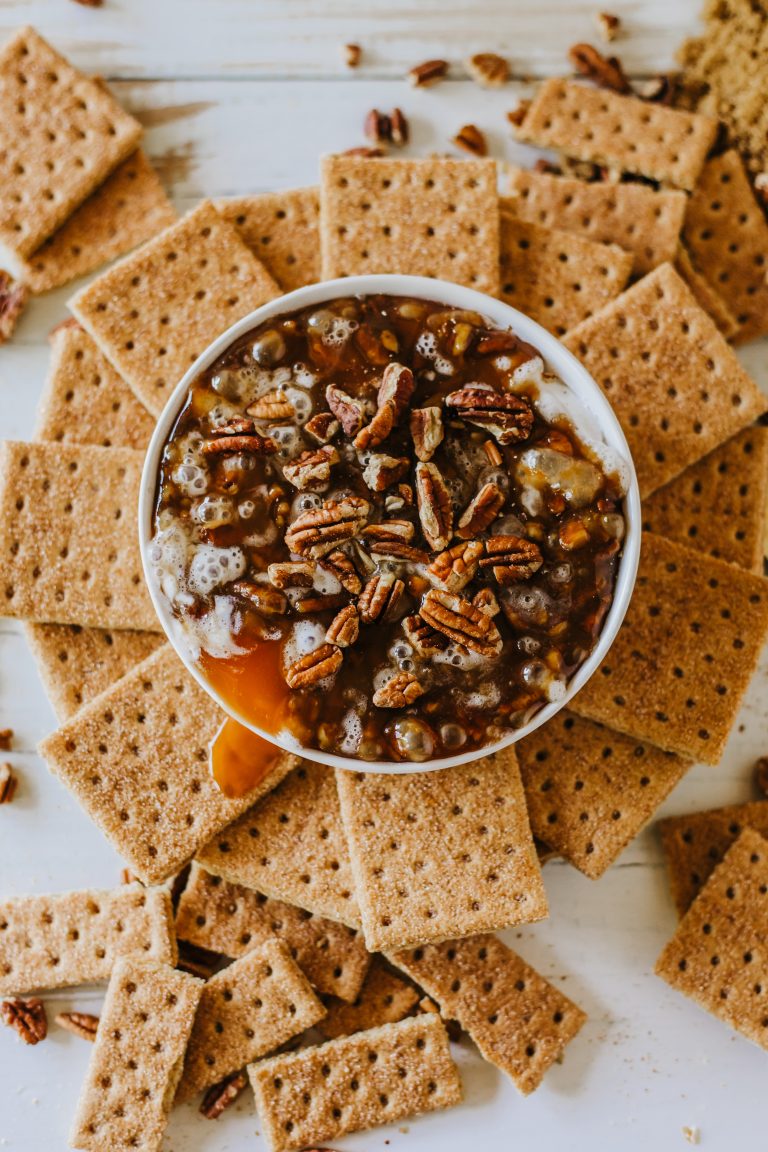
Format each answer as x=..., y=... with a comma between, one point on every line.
x=435, y=507
x=239, y=435
x=427, y=431
x=348, y=410
x=424, y=638
x=380, y=598
x=398, y=692
x=461, y=622
x=508, y=418
x=311, y=471
x=428, y=73
x=344, y=629
x=264, y=599
x=274, y=406
x=511, y=558
x=81, y=1024
x=391, y=538
x=220, y=1096
x=401, y=530
x=485, y=600
x=320, y=603
x=382, y=471
x=340, y=566
x=605, y=71
x=400, y=129
x=452, y=570
x=314, y=667
x=321, y=530
x=487, y=69
x=27, y=1017
x=497, y=344
x=377, y=127
x=394, y=393
x=7, y=784
x=13, y=297
x=481, y=511
x=322, y=427
x=292, y=574
x=470, y=139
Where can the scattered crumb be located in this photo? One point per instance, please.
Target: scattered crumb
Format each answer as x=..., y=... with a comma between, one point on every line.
x=692, y=1135
x=6, y=737
x=608, y=25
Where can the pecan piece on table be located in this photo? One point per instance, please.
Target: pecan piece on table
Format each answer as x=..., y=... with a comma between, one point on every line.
x=382, y=471
x=377, y=127
x=311, y=471
x=273, y=406
x=264, y=599
x=292, y=574
x=343, y=569
x=220, y=1096
x=605, y=71
x=7, y=784
x=518, y=114
x=400, y=128
x=398, y=692
x=461, y=622
x=453, y=569
x=322, y=427
x=81, y=1024
x=344, y=629
x=470, y=139
x=424, y=638
x=508, y=418
x=239, y=435
x=427, y=431
x=488, y=69
x=315, y=666
x=321, y=530
x=428, y=73
x=435, y=508
x=481, y=511
x=6, y=739
x=511, y=558
x=380, y=598
x=607, y=25
x=27, y=1017
x=348, y=410
x=13, y=298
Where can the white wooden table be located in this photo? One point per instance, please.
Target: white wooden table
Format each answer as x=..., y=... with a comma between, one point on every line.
x=242, y=96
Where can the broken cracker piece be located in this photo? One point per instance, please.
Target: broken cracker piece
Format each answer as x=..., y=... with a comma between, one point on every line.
x=283, y=230
x=383, y=999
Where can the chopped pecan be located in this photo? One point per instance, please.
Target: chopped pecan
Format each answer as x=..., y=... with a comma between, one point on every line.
x=481, y=511
x=348, y=410
x=508, y=418
x=573, y=534
x=405, y=492
x=427, y=431
x=435, y=508
x=13, y=297
x=518, y=114
x=221, y=1095
x=662, y=89
x=27, y=1017
x=343, y=630
x=382, y=471
x=452, y=570
x=470, y=139
x=363, y=153
x=380, y=598
x=314, y=667
x=322, y=427
x=401, y=530
x=497, y=344
x=352, y=55
x=6, y=739
x=428, y=73
x=379, y=428
x=312, y=469
x=239, y=435
x=492, y=452
x=320, y=603
x=511, y=558
x=340, y=566
x=396, y=550
x=274, y=406
x=424, y=638
x=395, y=391
x=485, y=600
x=377, y=126
x=7, y=784
x=321, y=530
x=292, y=574
x=487, y=69
x=81, y=1024
x=400, y=128
x=605, y=71
x=198, y=962
x=398, y=692
x=607, y=25
x=461, y=622
x=264, y=599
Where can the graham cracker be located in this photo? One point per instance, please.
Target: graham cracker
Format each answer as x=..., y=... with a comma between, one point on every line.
x=590, y=790
x=231, y=919
x=84, y=401
x=717, y=505
x=69, y=550
x=247, y=1010
x=441, y=854
x=128, y=208
x=679, y=667
x=518, y=1020
x=292, y=847
x=727, y=234
x=136, y=758
x=717, y=955
x=354, y=1083
x=435, y=217
x=76, y=937
x=137, y=1058
x=642, y=220
x=558, y=278
x=155, y=311
x=706, y=295
x=61, y=134
x=621, y=132
x=76, y=664
x=283, y=230
x=383, y=999
x=696, y=843
x=675, y=384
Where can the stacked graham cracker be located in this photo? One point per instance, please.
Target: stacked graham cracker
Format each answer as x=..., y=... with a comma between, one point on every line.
x=339, y=901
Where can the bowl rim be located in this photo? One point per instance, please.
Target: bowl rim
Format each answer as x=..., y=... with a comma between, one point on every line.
x=570, y=371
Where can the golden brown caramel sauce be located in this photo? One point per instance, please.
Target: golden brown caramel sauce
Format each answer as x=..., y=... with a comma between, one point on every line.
x=240, y=759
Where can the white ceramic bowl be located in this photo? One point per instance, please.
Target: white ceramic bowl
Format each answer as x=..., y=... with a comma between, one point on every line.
x=598, y=411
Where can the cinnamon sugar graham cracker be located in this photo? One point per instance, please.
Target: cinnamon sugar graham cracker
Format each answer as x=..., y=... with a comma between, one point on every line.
x=519, y=1021
x=682, y=660
x=61, y=135
x=137, y=1058
x=136, y=758
x=438, y=855
x=283, y=230
x=705, y=294
x=717, y=955
x=384, y=999
x=250, y=1008
x=155, y=311
x=677, y=387
x=231, y=919
x=304, y=1098
x=76, y=937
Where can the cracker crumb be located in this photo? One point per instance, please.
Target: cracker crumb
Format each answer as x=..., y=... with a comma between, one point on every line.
x=607, y=25
x=692, y=1135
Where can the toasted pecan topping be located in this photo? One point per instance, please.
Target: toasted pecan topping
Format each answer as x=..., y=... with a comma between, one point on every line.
x=220, y=1096
x=398, y=692
x=481, y=511
x=485, y=600
x=321, y=530
x=511, y=558
x=264, y=599
x=508, y=418
x=453, y=569
x=239, y=435
x=427, y=431
x=606, y=71
x=380, y=598
x=461, y=622
x=292, y=574
x=382, y=471
x=348, y=410
x=323, y=426
x=272, y=407
x=311, y=471
x=314, y=667
x=424, y=638
x=81, y=1024
x=342, y=567
x=435, y=508
x=344, y=628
